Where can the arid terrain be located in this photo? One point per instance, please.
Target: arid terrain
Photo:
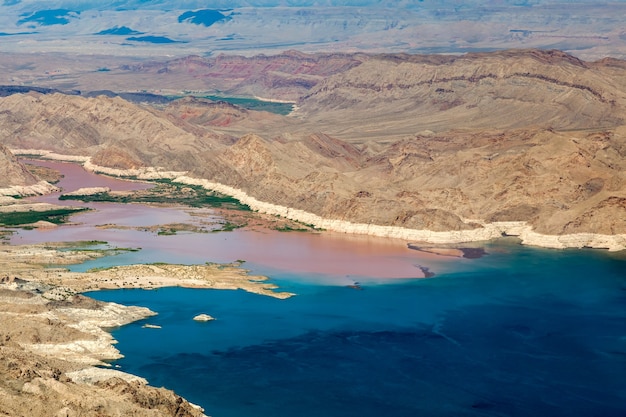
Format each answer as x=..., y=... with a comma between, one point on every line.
x=51, y=337
x=587, y=28
x=518, y=142
x=433, y=149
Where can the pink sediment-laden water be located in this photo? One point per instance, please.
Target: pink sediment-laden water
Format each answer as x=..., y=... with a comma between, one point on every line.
x=340, y=256
x=75, y=177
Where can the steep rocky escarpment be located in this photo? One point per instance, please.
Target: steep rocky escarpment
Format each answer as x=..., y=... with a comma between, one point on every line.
x=12, y=172
x=16, y=180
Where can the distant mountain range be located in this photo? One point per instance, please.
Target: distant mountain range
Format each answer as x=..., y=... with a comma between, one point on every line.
x=587, y=29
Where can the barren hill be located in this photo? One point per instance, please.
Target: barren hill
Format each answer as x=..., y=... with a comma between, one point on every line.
x=503, y=90
x=12, y=172
x=285, y=76
x=77, y=125
x=424, y=142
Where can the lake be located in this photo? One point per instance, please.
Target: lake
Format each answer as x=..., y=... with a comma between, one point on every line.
x=521, y=331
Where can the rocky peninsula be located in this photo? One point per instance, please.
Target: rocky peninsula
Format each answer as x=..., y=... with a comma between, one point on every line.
x=54, y=344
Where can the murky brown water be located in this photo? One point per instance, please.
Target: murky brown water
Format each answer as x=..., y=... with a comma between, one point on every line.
x=330, y=254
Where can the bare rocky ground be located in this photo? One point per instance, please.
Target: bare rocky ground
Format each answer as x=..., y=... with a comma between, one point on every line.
x=439, y=143
x=51, y=337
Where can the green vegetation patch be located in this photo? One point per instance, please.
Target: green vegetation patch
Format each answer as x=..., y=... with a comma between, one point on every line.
x=56, y=216
x=96, y=247
x=228, y=227
x=167, y=232
x=245, y=103
x=295, y=226
x=167, y=192
x=287, y=228
x=78, y=245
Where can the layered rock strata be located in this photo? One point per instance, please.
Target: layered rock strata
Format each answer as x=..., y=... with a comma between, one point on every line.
x=422, y=143
x=483, y=230
x=487, y=231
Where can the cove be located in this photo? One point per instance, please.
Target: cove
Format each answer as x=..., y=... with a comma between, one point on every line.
x=521, y=332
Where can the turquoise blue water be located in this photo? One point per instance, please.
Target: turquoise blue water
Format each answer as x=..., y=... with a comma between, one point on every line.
x=520, y=332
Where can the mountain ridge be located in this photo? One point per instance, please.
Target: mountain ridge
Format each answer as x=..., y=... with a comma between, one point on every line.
x=341, y=162
x=550, y=88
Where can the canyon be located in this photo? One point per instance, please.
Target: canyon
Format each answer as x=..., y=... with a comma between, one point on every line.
x=437, y=144
x=436, y=150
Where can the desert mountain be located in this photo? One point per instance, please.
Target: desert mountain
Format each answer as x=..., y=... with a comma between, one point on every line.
x=77, y=125
x=424, y=142
x=503, y=90
x=285, y=76
x=12, y=172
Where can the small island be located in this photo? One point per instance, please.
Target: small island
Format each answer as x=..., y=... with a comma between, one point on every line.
x=203, y=317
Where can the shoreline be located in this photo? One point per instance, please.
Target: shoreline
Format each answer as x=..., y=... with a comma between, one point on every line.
x=97, y=346
x=489, y=231
x=40, y=188
x=51, y=326
x=29, y=262
x=59, y=344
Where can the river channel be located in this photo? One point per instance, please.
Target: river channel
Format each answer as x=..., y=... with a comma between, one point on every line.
x=332, y=256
